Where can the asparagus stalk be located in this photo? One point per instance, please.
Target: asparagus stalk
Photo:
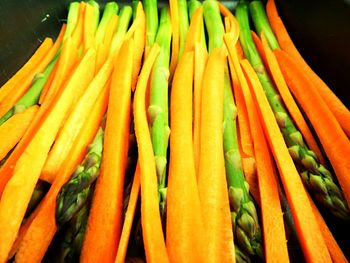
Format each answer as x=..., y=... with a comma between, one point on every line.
x=111, y=8
x=183, y=23
x=75, y=192
x=96, y=7
x=123, y=25
x=158, y=107
x=151, y=11
x=244, y=216
x=315, y=176
x=192, y=7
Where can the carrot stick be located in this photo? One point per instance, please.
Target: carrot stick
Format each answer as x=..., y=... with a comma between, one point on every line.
x=150, y=216
x=338, y=109
x=333, y=247
x=175, y=42
x=14, y=128
x=332, y=137
x=310, y=236
x=259, y=46
x=129, y=218
x=39, y=230
x=211, y=179
x=27, y=169
x=78, y=33
x=31, y=64
x=200, y=61
x=140, y=41
x=194, y=34
x=105, y=219
x=288, y=99
x=89, y=27
x=186, y=238
x=24, y=84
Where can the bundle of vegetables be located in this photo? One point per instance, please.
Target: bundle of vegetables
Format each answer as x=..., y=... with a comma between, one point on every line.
x=154, y=136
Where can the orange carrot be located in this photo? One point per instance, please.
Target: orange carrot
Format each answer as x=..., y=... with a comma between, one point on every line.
x=129, y=218
x=288, y=99
x=175, y=42
x=332, y=137
x=194, y=33
x=27, y=169
x=333, y=247
x=31, y=64
x=259, y=46
x=105, y=219
x=310, y=236
x=89, y=27
x=150, y=216
x=14, y=128
x=139, y=40
x=78, y=33
x=211, y=179
x=39, y=230
x=338, y=109
x=185, y=239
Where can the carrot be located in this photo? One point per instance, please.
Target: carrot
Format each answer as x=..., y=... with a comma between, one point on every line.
x=139, y=40
x=200, y=61
x=288, y=99
x=105, y=219
x=338, y=109
x=259, y=46
x=310, y=236
x=27, y=169
x=186, y=238
x=24, y=84
x=230, y=20
x=150, y=216
x=211, y=179
x=332, y=137
x=39, y=230
x=78, y=33
x=89, y=27
x=14, y=128
x=31, y=64
x=194, y=33
x=333, y=247
x=175, y=42
x=129, y=218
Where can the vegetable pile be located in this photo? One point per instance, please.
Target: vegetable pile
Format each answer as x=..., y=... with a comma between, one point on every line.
x=171, y=135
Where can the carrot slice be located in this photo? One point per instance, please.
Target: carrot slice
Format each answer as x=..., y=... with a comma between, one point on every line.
x=105, y=219
x=14, y=128
x=332, y=137
x=31, y=64
x=338, y=109
x=129, y=218
x=139, y=40
x=88, y=27
x=259, y=46
x=194, y=33
x=288, y=98
x=310, y=236
x=38, y=231
x=78, y=33
x=74, y=124
x=27, y=169
x=175, y=42
x=185, y=239
x=200, y=61
x=211, y=179
x=150, y=216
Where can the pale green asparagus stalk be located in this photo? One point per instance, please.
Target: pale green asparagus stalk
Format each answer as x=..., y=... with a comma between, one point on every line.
x=125, y=15
x=111, y=8
x=315, y=176
x=158, y=107
x=244, y=216
x=151, y=11
x=183, y=24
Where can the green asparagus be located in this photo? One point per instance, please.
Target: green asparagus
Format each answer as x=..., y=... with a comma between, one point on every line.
x=183, y=24
x=158, y=107
x=75, y=192
x=151, y=11
x=244, y=216
x=123, y=25
x=315, y=176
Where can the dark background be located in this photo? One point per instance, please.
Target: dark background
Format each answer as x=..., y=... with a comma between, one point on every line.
x=320, y=30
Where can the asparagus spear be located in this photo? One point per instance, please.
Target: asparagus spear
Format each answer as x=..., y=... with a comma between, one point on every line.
x=123, y=25
x=151, y=11
x=75, y=192
x=183, y=23
x=111, y=8
x=31, y=97
x=158, y=107
x=315, y=176
x=244, y=216
x=192, y=7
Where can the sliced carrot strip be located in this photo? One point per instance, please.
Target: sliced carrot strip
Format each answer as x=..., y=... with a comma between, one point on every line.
x=211, y=178
x=88, y=30
x=338, y=109
x=194, y=33
x=129, y=218
x=14, y=128
x=38, y=231
x=310, y=236
x=78, y=33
